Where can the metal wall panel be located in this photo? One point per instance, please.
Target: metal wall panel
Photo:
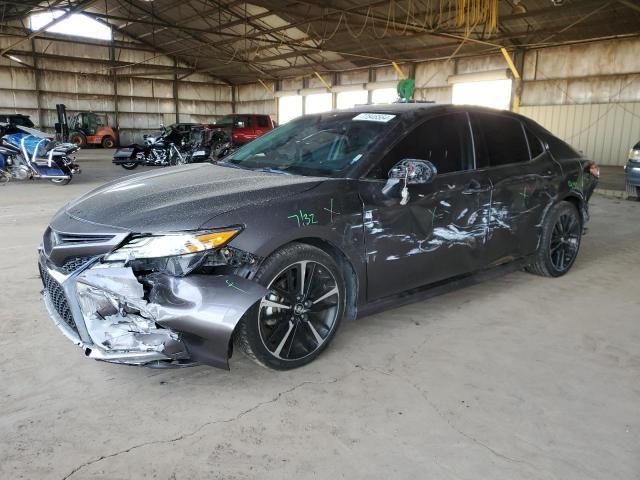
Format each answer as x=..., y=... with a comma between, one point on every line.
x=265, y=107
x=604, y=132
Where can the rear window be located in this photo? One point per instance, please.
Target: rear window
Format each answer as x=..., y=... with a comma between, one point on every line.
x=262, y=121
x=500, y=140
x=560, y=149
x=535, y=144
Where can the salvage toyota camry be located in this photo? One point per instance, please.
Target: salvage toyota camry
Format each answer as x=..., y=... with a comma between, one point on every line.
x=326, y=218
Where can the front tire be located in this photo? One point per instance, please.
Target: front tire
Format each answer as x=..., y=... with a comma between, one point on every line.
x=560, y=241
x=79, y=139
x=129, y=166
x=297, y=319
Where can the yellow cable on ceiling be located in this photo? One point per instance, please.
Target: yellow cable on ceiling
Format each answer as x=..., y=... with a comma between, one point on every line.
x=474, y=12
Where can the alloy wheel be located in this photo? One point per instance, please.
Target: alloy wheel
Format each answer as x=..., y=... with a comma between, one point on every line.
x=565, y=240
x=300, y=311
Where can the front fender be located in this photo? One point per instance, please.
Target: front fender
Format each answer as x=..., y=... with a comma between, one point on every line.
x=331, y=213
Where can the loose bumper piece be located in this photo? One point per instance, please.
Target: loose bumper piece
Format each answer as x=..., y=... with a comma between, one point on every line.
x=107, y=312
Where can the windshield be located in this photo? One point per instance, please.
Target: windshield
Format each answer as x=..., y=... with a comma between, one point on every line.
x=320, y=145
x=226, y=120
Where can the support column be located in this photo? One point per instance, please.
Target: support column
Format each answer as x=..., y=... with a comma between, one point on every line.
x=114, y=79
x=234, y=98
x=175, y=90
x=37, y=73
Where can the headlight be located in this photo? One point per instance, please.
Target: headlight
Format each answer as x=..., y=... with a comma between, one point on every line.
x=172, y=244
x=634, y=155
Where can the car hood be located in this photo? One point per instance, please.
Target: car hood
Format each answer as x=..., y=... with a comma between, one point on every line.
x=179, y=198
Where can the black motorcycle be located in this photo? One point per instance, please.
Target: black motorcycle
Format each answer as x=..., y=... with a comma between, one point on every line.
x=25, y=156
x=170, y=148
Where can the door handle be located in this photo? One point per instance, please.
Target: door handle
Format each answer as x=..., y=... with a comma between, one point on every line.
x=474, y=187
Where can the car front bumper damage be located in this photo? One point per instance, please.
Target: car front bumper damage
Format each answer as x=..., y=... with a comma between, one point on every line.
x=157, y=320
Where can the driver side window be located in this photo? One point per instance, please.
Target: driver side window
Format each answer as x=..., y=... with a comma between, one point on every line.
x=445, y=141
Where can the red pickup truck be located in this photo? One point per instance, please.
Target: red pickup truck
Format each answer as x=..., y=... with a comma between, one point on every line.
x=245, y=126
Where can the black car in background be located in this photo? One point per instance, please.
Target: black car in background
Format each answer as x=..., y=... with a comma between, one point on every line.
x=328, y=217
x=10, y=121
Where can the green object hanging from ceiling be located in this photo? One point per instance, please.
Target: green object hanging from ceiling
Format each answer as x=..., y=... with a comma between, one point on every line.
x=406, y=88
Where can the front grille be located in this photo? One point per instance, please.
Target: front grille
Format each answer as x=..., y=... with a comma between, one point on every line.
x=58, y=298
x=72, y=264
x=73, y=238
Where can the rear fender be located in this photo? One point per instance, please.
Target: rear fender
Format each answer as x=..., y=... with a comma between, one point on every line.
x=125, y=155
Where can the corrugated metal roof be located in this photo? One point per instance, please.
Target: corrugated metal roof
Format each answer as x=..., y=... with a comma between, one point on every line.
x=238, y=42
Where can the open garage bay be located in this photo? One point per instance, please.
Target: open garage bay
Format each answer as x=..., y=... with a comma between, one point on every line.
x=522, y=377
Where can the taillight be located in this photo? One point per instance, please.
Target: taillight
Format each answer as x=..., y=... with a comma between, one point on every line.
x=634, y=154
x=594, y=170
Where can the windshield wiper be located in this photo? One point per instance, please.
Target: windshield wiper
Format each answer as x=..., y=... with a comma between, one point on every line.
x=230, y=165
x=270, y=170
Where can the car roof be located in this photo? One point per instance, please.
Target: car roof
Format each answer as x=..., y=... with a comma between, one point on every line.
x=419, y=109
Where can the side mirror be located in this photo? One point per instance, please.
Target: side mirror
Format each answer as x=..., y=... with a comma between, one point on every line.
x=413, y=171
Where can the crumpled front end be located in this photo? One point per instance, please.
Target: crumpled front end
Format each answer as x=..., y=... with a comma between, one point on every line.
x=155, y=319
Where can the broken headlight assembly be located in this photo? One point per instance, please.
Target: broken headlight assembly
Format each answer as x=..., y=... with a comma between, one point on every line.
x=174, y=253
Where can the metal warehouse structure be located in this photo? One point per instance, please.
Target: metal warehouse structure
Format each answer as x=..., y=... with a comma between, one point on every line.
x=576, y=67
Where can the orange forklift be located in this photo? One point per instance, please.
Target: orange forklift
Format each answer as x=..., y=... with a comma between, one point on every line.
x=88, y=128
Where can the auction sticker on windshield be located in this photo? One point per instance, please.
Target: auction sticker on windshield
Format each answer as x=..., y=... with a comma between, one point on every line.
x=374, y=117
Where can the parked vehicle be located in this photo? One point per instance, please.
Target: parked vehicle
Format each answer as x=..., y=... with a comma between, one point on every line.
x=632, y=172
x=246, y=127
x=169, y=148
x=24, y=156
x=329, y=217
x=202, y=141
x=9, y=123
x=89, y=128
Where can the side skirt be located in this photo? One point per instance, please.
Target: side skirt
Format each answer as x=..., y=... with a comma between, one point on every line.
x=440, y=288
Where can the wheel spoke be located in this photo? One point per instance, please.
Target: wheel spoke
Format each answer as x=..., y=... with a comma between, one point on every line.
x=321, y=307
x=310, y=281
x=271, y=303
x=302, y=272
x=293, y=339
x=330, y=293
x=283, y=341
x=317, y=336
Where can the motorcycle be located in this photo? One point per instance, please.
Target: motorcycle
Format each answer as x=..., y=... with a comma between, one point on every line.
x=170, y=148
x=207, y=142
x=32, y=155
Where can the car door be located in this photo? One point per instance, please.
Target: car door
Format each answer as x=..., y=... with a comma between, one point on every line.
x=243, y=131
x=439, y=232
x=262, y=125
x=522, y=173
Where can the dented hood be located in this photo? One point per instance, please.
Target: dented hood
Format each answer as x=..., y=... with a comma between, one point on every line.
x=179, y=198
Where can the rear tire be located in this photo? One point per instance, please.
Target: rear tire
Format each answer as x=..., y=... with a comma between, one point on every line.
x=293, y=324
x=559, y=242
x=61, y=181
x=129, y=166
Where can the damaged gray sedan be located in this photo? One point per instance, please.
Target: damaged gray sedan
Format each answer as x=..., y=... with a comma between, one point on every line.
x=329, y=217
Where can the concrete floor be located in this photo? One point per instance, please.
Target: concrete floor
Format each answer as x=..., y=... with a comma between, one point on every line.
x=520, y=378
